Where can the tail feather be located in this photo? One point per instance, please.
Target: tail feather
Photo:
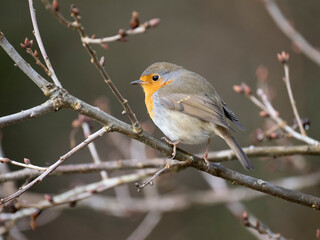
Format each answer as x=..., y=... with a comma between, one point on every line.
x=242, y=157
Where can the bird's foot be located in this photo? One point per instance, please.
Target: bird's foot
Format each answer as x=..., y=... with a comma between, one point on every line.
x=174, y=144
x=205, y=158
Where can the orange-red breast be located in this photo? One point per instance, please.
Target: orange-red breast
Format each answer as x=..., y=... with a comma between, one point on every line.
x=187, y=108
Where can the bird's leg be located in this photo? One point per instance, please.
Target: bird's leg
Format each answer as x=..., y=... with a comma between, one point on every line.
x=205, y=156
x=174, y=144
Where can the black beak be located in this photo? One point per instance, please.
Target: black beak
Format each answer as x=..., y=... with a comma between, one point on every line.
x=137, y=82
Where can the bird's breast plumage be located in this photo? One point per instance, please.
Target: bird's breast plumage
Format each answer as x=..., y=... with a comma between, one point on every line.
x=179, y=126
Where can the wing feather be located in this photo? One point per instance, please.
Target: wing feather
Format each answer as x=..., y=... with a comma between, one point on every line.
x=200, y=107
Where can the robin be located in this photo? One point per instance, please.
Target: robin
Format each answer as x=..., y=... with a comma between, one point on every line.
x=187, y=108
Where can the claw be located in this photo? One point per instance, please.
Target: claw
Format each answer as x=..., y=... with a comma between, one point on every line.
x=174, y=144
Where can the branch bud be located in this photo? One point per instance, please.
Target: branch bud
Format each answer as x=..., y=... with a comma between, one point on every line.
x=123, y=35
x=49, y=198
x=55, y=5
x=34, y=217
x=74, y=10
x=263, y=114
x=153, y=22
x=283, y=57
x=35, y=53
x=5, y=160
x=26, y=161
x=237, y=88
x=102, y=61
x=28, y=43
x=105, y=46
x=134, y=22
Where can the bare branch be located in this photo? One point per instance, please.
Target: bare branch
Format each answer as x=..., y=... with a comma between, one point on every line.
x=274, y=115
x=141, y=29
x=29, y=165
x=166, y=203
x=75, y=194
x=292, y=101
x=55, y=165
x=58, y=15
x=265, y=151
x=180, y=202
x=34, y=112
x=260, y=227
x=93, y=150
x=40, y=44
x=290, y=32
x=116, y=125
x=99, y=65
x=268, y=109
x=21, y=63
x=146, y=226
x=89, y=168
x=219, y=156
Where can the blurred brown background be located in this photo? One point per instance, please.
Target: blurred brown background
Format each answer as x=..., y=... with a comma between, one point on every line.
x=224, y=41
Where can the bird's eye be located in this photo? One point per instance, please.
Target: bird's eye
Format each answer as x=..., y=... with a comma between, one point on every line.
x=155, y=78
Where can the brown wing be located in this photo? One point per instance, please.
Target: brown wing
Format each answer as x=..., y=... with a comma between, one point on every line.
x=200, y=107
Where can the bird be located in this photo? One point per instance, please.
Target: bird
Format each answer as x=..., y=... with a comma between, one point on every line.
x=187, y=108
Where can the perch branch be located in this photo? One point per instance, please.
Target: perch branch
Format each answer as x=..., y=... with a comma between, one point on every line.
x=116, y=165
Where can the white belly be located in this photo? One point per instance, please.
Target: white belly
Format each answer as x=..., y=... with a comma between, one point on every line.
x=179, y=126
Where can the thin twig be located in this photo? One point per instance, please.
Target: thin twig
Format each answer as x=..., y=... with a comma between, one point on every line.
x=267, y=107
x=260, y=227
x=129, y=164
x=51, y=168
x=75, y=194
x=290, y=32
x=93, y=150
x=34, y=112
x=29, y=165
x=236, y=208
x=21, y=63
x=141, y=29
x=89, y=168
x=182, y=201
x=40, y=44
x=146, y=226
x=265, y=151
x=38, y=62
x=165, y=203
x=94, y=59
x=150, y=181
x=292, y=101
x=274, y=115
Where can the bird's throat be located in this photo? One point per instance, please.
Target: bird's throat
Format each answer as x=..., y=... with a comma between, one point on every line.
x=149, y=104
